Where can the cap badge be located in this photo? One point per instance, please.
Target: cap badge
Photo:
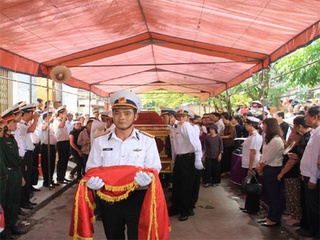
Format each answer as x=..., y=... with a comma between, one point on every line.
x=122, y=100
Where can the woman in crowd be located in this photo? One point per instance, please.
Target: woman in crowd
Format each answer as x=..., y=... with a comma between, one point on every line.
x=229, y=134
x=237, y=123
x=212, y=151
x=290, y=172
x=250, y=156
x=270, y=166
x=85, y=143
x=76, y=150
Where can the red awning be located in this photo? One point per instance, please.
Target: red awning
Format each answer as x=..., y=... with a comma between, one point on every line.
x=195, y=47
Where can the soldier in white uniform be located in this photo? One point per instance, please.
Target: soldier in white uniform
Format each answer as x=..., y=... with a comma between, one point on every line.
x=48, y=150
x=124, y=145
x=63, y=143
x=28, y=114
x=187, y=152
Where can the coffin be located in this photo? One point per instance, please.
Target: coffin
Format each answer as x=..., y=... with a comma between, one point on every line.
x=150, y=122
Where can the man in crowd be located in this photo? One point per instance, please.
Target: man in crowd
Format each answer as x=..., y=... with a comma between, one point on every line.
x=311, y=173
x=283, y=125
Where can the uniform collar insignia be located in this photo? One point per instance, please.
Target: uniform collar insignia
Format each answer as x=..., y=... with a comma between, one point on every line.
x=110, y=136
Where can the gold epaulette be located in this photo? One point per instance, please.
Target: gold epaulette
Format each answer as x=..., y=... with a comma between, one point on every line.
x=147, y=134
x=101, y=128
x=101, y=134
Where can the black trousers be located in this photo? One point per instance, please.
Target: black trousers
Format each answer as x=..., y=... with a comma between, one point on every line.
x=48, y=163
x=119, y=215
x=212, y=171
x=63, y=148
x=80, y=164
x=184, y=176
x=36, y=152
x=252, y=200
x=226, y=159
x=25, y=190
x=312, y=205
x=304, y=219
x=12, y=202
x=273, y=189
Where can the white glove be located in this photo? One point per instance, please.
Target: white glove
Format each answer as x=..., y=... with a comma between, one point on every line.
x=143, y=178
x=198, y=165
x=95, y=183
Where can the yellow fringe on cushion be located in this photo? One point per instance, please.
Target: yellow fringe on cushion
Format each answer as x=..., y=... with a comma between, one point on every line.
x=76, y=213
x=153, y=211
x=125, y=188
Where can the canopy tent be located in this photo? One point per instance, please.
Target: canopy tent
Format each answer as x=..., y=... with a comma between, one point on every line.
x=198, y=47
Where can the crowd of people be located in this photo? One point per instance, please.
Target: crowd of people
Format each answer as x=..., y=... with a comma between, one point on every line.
x=276, y=149
x=280, y=150
x=40, y=133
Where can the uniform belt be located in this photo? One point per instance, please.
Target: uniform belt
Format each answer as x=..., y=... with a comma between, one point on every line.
x=48, y=144
x=185, y=155
x=13, y=168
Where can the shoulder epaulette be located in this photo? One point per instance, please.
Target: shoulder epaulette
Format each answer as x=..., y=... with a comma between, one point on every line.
x=101, y=134
x=101, y=128
x=147, y=134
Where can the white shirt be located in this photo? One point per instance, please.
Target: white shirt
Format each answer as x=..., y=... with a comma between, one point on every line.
x=272, y=152
x=221, y=126
x=185, y=140
x=137, y=150
x=69, y=126
x=25, y=136
x=43, y=135
x=35, y=137
x=308, y=165
x=17, y=137
x=253, y=142
x=61, y=133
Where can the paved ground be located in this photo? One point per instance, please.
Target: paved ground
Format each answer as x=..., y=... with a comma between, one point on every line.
x=217, y=216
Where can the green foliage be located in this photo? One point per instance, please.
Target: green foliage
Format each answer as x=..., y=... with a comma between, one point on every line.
x=153, y=100
x=299, y=69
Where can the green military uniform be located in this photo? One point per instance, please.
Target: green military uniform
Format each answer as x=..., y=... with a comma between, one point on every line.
x=10, y=165
x=3, y=178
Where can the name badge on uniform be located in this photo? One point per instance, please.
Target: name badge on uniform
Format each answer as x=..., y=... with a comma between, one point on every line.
x=137, y=150
x=107, y=149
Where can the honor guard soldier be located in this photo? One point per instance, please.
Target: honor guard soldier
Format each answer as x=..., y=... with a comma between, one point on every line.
x=28, y=114
x=63, y=143
x=48, y=149
x=123, y=146
x=12, y=163
x=187, y=152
